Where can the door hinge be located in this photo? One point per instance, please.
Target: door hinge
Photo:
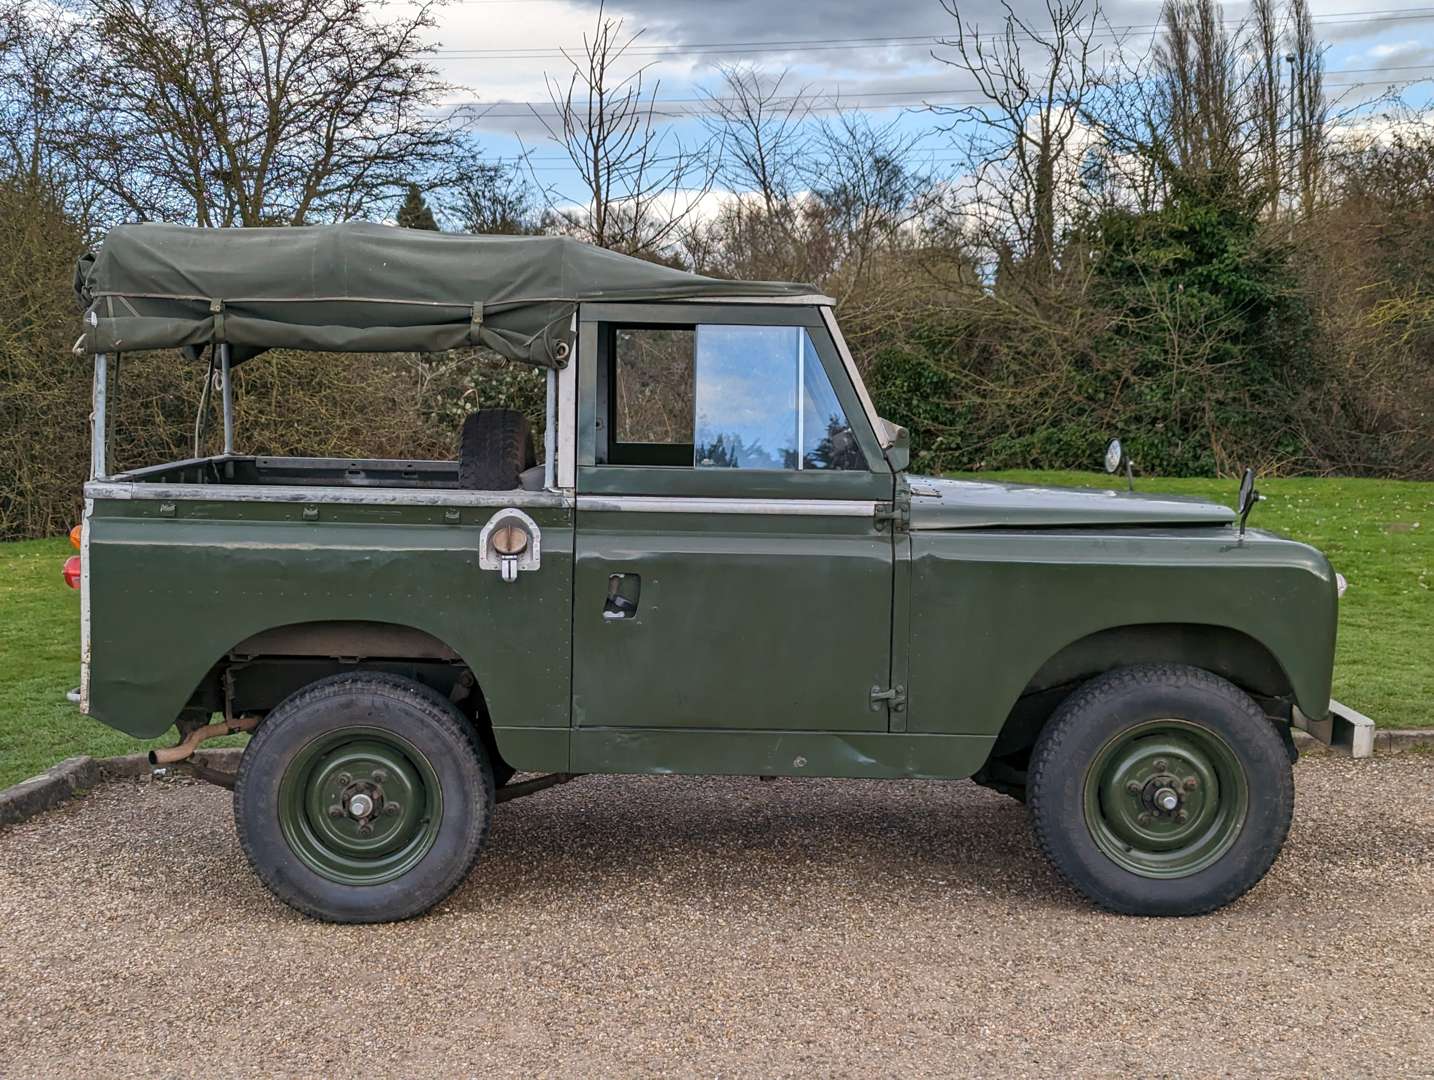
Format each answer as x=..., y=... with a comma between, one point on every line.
x=895, y=697
x=897, y=512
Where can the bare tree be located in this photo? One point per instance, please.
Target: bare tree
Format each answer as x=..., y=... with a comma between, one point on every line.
x=1202, y=87
x=40, y=117
x=493, y=197
x=767, y=227
x=1021, y=144
x=261, y=112
x=638, y=182
x=763, y=132
x=1309, y=109
x=1267, y=112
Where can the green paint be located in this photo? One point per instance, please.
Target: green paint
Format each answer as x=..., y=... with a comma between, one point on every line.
x=1172, y=760
x=332, y=777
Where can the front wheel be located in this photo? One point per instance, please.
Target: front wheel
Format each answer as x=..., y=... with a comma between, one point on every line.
x=363, y=798
x=1160, y=790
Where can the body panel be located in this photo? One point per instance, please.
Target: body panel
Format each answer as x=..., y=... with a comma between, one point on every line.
x=969, y=504
x=743, y=620
x=869, y=755
x=989, y=607
x=220, y=572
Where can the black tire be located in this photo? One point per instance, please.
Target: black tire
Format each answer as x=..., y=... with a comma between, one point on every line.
x=435, y=740
x=494, y=450
x=1233, y=836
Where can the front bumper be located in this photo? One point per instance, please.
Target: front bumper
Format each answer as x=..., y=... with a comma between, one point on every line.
x=1342, y=728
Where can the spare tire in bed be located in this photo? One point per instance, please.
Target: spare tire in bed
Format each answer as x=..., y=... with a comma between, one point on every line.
x=495, y=448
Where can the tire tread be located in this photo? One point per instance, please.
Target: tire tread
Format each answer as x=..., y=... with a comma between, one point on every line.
x=436, y=709
x=1052, y=747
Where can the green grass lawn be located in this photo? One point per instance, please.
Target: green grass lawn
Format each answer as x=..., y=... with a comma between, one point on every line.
x=1379, y=534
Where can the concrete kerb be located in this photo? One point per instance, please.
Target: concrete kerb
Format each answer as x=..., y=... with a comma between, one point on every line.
x=77, y=775
x=1386, y=741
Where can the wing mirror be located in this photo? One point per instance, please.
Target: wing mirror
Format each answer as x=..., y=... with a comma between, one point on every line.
x=1247, y=499
x=1117, y=459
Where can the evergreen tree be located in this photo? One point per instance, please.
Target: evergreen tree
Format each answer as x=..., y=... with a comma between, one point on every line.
x=414, y=213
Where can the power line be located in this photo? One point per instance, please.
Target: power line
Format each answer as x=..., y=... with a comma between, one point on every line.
x=916, y=91
x=842, y=102
x=661, y=51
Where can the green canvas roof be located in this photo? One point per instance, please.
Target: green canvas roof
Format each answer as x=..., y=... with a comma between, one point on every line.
x=361, y=287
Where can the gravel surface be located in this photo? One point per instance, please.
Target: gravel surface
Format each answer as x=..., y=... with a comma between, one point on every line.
x=632, y=926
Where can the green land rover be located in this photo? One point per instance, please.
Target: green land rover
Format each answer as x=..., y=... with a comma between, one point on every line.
x=719, y=565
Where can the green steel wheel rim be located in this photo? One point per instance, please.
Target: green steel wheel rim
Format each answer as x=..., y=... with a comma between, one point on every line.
x=360, y=806
x=1166, y=798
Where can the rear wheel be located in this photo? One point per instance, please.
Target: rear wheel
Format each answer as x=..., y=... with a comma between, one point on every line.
x=363, y=798
x=1160, y=790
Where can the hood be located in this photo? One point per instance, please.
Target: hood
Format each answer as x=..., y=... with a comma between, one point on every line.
x=970, y=504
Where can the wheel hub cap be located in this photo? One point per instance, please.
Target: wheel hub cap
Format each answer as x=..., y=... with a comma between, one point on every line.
x=1166, y=798
x=360, y=806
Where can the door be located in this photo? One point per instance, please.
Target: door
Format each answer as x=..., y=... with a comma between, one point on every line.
x=732, y=568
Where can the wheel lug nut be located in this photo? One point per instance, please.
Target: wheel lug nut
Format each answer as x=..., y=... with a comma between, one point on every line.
x=379, y=776
x=1180, y=816
x=1191, y=783
x=343, y=779
x=1144, y=819
x=392, y=809
x=336, y=810
x=1134, y=787
x=1160, y=764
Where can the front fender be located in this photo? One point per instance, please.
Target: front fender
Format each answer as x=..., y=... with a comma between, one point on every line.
x=990, y=607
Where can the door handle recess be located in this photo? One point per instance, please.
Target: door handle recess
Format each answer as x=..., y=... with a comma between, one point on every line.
x=623, y=593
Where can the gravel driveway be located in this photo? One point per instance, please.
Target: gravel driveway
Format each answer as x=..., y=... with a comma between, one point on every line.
x=626, y=926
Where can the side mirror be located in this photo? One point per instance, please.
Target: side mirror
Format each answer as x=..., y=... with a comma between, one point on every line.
x=1116, y=459
x=1247, y=499
x=898, y=451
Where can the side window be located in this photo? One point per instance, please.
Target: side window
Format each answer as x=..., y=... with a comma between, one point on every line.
x=717, y=396
x=764, y=401
x=652, y=385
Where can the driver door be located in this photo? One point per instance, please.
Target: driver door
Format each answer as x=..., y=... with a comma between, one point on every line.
x=733, y=572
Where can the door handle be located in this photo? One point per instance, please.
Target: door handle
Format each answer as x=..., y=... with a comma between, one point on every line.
x=623, y=593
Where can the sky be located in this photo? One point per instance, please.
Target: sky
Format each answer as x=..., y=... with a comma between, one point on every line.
x=870, y=54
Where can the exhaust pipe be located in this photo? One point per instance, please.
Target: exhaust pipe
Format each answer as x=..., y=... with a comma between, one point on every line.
x=170, y=755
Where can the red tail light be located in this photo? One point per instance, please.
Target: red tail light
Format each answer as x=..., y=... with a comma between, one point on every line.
x=71, y=572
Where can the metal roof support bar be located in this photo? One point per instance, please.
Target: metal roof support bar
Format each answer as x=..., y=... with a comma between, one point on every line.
x=228, y=391
x=550, y=433
x=98, y=439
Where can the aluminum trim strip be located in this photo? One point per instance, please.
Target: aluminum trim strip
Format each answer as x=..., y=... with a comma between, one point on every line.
x=567, y=417
x=85, y=657
x=668, y=504
x=368, y=496
x=805, y=300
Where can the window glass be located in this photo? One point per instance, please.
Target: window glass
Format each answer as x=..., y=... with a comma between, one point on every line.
x=763, y=401
x=826, y=437
x=653, y=399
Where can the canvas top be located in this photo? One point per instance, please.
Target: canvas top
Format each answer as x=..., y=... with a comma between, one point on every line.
x=362, y=287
